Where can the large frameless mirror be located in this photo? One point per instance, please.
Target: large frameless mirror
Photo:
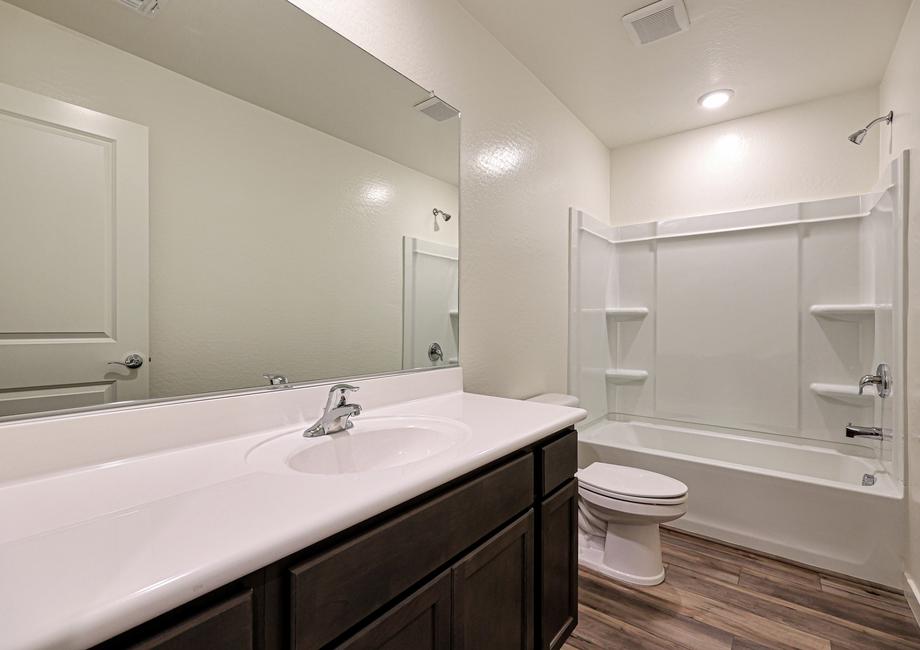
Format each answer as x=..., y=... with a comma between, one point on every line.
x=200, y=197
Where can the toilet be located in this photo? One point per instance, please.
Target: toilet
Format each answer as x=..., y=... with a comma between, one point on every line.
x=619, y=509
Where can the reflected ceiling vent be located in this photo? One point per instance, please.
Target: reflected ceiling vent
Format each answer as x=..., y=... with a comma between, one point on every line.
x=657, y=21
x=146, y=7
x=437, y=109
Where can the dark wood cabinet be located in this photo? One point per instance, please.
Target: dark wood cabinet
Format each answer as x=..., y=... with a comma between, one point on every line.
x=338, y=588
x=558, y=462
x=222, y=620
x=420, y=622
x=558, y=566
x=493, y=591
x=488, y=560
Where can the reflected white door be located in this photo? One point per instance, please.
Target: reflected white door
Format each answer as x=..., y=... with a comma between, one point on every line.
x=73, y=255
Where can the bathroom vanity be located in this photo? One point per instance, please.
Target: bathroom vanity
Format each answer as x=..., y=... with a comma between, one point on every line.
x=441, y=519
x=488, y=560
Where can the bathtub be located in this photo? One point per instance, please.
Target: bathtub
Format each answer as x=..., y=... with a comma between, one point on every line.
x=800, y=502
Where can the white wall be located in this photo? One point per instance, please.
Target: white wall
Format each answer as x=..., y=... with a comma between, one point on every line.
x=524, y=160
x=250, y=216
x=797, y=153
x=900, y=92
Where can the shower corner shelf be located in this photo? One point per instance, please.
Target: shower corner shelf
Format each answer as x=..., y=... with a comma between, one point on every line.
x=845, y=392
x=850, y=312
x=454, y=313
x=626, y=313
x=624, y=376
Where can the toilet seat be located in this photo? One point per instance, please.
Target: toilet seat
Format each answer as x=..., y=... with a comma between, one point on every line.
x=631, y=484
x=632, y=499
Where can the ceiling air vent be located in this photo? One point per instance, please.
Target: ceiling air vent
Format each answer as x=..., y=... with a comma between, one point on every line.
x=146, y=7
x=656, y=21
x=437, y=109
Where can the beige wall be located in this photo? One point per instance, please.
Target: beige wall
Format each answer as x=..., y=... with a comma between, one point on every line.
x=797, y=153
x=900, y=92
x=525, y=159
x=271, y=248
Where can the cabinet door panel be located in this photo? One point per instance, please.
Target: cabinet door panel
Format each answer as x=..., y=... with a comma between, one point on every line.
x=559, y=566
x=341, y=587
x=493, y=591
x=420, y=622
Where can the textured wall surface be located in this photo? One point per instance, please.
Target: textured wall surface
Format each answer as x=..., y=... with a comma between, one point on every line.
x=524, y=160
x=251, y=217
x=797, y=153
x=900, y=92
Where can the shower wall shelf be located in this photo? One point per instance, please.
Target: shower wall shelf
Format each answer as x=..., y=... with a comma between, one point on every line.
x=851, y=312
x=454, y=313
x=624, y=376
x=626, y=313
x=846, y=392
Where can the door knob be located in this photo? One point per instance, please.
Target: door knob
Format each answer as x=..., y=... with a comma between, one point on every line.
x=132, y=361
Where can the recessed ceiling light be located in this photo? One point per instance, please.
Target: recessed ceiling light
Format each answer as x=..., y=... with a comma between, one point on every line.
x=716, y=98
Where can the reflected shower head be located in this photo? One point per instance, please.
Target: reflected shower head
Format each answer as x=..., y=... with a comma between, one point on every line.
x=442, y=214
x=858, y=136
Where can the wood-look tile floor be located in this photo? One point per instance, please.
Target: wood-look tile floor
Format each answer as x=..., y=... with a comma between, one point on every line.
x=719, y=597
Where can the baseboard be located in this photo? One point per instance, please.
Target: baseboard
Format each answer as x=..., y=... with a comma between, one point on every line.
x=912, y=594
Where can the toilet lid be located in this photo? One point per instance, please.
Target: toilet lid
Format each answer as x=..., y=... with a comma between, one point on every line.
x=614, y=480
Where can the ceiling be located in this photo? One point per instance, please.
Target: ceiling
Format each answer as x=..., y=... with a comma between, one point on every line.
x=274, y=55
x=773, y=53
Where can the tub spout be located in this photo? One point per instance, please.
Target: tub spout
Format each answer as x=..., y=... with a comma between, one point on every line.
x=854, y=431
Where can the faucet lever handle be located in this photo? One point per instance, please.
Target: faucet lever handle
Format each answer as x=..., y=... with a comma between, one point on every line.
x=339, y=393
x=275, y=379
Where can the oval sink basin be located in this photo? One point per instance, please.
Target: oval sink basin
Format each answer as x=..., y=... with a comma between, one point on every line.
x=373, y=444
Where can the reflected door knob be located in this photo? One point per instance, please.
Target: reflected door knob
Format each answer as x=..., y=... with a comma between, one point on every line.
x=132, y=361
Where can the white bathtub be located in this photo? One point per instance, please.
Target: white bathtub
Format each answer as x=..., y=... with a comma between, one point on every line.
x=804, y=503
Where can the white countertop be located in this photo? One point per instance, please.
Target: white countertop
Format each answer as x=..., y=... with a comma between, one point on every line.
x=90, y=552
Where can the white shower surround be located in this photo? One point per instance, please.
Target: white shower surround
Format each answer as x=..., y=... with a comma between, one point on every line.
x=726, y=348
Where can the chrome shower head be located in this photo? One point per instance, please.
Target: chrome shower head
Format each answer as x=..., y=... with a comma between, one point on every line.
x=442, y=214
x=859, y=136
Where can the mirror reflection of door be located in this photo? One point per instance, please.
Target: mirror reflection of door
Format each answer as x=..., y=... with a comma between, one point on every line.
x=73, y=256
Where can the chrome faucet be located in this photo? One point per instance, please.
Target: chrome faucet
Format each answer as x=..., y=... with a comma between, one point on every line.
x=336, y=416
x=881, y=380
x=275, y=380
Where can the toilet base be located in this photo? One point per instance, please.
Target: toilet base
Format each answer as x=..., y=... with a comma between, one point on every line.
x=629, y=553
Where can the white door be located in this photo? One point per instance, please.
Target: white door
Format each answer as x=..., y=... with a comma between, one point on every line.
x=73, y=255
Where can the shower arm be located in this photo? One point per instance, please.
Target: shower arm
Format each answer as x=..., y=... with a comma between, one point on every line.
x=884, y=118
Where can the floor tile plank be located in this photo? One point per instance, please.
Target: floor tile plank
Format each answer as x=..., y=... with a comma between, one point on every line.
x=841, y=607
x=714, y=613
x=659, y=619
x=720, y=597
x=751, y=560
x=865, y=594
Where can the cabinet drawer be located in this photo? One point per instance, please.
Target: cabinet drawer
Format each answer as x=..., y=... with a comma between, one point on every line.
x=558, y=462
x=334, y=591
x=420, y=622
x=224, y=625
